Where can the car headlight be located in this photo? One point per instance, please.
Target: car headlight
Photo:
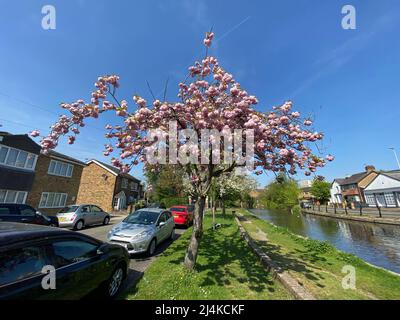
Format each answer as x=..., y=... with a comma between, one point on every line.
x=143, y=235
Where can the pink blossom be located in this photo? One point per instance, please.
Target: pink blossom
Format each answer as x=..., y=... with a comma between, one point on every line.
x=35, y=133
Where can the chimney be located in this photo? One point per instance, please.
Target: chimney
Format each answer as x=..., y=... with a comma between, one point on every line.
x=369, y=168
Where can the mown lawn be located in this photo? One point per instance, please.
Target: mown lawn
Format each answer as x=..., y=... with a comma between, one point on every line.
x=318, y=265
x=226, y=269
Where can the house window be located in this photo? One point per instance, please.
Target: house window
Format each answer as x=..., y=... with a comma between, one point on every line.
x=124, y=183
x=53, y=200
x=13, y=196
x=61, y=169
x=370, y=199
x=17, y=158
x=134, y=186
x=389, y=198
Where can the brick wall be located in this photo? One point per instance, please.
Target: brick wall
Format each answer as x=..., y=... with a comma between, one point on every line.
x=97, y=187
x=44, y=182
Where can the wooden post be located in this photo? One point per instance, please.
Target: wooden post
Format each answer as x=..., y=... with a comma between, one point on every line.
x=360, y=209
x=379, y=210
x=334, y=208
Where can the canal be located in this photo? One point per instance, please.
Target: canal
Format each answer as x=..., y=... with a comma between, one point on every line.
x=374, y=243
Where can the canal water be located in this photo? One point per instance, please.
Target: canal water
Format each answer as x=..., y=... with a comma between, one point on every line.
x=376, y=244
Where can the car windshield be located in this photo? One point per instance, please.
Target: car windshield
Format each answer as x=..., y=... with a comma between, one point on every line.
x=142, y=217
x=68, y=209
x=178, y=209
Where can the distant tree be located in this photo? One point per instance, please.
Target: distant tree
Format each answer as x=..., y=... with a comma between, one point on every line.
x=320, y=189
x=283, y=193
x=167, y=185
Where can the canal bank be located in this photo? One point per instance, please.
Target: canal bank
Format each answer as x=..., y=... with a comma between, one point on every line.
x=318, y=266
x=353, y=217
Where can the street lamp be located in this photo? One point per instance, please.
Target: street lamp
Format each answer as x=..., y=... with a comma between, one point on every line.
x=395, y=154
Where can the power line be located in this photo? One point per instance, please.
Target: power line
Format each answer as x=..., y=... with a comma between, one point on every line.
x=40, y=108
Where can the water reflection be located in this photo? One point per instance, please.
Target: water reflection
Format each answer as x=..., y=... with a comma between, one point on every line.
x=376, y=244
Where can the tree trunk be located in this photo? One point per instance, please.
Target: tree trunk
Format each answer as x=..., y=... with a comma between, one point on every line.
x=223, y=207
x=192, y=250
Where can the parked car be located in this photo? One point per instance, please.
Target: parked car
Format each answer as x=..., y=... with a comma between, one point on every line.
x=183, y=215
x=143, y=230
x=82, y=215
x=12, y=212
x=305, y=205
x=82, y=264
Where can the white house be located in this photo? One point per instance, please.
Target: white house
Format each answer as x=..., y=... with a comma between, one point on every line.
x=384, y=190
x=336, y=192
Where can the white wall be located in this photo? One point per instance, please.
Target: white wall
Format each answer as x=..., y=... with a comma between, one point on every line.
x=335, y=189
x=383, y=183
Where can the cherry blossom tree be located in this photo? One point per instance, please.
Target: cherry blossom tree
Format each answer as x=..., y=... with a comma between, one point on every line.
x=210, y=98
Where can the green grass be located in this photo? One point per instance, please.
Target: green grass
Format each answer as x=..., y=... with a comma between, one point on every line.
x=318, y=265
x=226, y=269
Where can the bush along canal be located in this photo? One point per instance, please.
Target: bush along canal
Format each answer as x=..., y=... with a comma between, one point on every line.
x=317, y=265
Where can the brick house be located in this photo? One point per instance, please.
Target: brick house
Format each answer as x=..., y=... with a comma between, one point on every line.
x=56, y=183
x=104, y=185
x=46, y=182
x=351, y=189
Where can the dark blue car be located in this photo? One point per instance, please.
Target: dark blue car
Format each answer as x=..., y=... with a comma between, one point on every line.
x=80, y=265
x=12, y=212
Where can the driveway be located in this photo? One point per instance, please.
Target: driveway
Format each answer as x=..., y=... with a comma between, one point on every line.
x=139, y=263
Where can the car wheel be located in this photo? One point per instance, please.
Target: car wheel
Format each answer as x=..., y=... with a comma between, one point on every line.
x=152, y=247
x=115, y=282
x=172, y=235
x=106, y=220
x=79, y=225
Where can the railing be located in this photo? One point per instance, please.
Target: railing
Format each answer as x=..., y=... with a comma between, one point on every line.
x=359, y=210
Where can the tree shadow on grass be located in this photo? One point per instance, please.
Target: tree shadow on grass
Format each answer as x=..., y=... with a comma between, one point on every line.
x=291, y=262
x=224, y=257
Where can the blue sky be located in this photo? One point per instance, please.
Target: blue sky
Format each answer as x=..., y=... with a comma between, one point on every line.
x=278, y=50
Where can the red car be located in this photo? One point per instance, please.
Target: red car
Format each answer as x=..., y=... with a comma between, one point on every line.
x=183, y=215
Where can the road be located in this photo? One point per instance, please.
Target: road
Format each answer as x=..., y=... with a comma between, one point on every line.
x=139, y=263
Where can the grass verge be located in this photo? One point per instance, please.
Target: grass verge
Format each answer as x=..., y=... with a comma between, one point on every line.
x=318, y=265
x=226, y=269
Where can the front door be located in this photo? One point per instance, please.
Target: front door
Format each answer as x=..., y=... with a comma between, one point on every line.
x=120, y=201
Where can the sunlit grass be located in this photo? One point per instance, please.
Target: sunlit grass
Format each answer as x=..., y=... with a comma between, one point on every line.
x=226, y=269
x=318, y=265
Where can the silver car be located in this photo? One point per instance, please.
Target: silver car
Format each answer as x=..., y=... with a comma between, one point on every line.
x=81, y=215
x=143, y=230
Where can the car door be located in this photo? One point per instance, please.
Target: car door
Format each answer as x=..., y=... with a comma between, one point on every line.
x=21, y=271
x=28, y=214
x=87, y=215
x=99, y=214
x=162, y=229
x=170, y=222
x=9, y=213
x=79, y=267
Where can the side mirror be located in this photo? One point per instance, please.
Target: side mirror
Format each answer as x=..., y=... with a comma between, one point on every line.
x=102, y=249
x=162, y=223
